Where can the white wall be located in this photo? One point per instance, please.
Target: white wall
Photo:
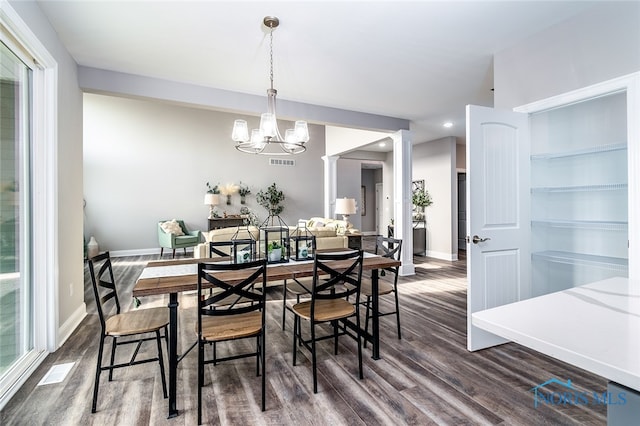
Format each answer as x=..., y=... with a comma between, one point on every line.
x=147, y=161
x=343, y=139
x=461, y=157
x=598, y=45
x=435, y=163
x=69, y=254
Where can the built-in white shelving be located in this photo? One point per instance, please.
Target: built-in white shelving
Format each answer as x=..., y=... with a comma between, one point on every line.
x=580, y=188
x=579, y=193
x=582, y=224
x=607, y=262
x=584, y=151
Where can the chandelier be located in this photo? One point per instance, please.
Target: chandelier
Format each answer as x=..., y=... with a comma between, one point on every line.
x=268, y=135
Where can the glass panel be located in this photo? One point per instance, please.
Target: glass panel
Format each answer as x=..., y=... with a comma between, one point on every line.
x=16, y=335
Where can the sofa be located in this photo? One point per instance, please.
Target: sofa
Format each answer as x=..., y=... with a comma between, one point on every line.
x=329, y=233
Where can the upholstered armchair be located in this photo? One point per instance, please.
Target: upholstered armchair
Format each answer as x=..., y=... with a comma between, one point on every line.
x=173, y=234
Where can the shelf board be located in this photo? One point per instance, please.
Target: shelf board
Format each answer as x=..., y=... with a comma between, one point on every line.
x=582, y=224
x=579, y=188
x=613, y=263
x=578, y=152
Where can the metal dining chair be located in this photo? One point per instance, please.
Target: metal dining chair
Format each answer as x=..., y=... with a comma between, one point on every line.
x=391, y=248
x=138, y=323
x=336, y=277
x=234, y=310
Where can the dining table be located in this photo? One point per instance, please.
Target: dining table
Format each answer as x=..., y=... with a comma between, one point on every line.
x=172, y=277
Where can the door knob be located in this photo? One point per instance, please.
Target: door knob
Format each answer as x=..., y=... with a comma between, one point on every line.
x=477, y=239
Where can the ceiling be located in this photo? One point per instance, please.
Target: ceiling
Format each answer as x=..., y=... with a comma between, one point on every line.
x=419, y=60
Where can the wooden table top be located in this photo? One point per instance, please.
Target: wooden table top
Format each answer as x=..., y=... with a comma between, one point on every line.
x=275, y=272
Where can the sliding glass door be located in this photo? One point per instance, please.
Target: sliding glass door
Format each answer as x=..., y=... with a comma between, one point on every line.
x=16, y=307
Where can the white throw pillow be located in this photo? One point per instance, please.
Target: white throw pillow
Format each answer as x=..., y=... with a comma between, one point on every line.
x=172, y=227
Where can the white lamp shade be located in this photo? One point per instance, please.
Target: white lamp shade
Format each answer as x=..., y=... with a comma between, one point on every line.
x=240, y=131
x=256, y=136
x=301, y=131
x=345, y=206
x=290, y=136
x=268, y=125
x=211, y=199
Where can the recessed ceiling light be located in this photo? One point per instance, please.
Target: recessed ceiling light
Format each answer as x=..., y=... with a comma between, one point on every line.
x=382, y=144
x=448, y=124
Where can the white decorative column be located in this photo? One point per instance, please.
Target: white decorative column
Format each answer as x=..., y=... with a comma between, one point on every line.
x=402, y=202
x=330, y=183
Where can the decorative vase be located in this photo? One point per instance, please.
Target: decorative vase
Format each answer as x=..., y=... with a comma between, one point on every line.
x=243, y=199
x=229, y=199
x=92, y=248
x=275, y=255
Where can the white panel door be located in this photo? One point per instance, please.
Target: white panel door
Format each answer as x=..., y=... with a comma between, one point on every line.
x=498, y=224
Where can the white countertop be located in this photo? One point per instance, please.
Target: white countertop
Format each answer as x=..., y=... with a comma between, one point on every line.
x=595, y=327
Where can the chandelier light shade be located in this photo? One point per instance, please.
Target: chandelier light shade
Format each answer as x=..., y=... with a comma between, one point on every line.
x=268, y=140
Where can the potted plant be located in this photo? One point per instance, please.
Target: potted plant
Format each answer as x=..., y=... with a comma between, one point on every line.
x=212, y=189
x=421, y=199
x=270, y=199
x=249, y=216
x=274, y=251
x=243, y=190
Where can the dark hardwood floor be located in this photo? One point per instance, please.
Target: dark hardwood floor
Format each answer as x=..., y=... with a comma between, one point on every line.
x=428, y=377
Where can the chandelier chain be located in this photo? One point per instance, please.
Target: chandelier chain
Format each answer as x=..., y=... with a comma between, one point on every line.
x=271, y=56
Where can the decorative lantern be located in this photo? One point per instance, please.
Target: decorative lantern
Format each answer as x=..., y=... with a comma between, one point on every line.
x=303, y=242
x=243, y=245
x=275, y=243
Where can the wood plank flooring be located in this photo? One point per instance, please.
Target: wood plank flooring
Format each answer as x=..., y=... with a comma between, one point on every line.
x=426, y=378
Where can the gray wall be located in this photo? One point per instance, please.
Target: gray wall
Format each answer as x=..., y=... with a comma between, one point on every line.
x=369, y=179
x=68, y=259
x=598, y=45
x=147, y=161
x=435, y=163
x=349, y=178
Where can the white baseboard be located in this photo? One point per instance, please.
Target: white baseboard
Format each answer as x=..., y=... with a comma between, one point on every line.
x=71, y=324
x=442, y=256
x=143, y=252
x=136, y=252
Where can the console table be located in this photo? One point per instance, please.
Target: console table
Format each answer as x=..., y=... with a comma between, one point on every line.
x=354, y=241
x=225, y=222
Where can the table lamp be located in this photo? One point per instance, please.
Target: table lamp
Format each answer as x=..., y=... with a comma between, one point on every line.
x=345, y=207
x=211, y=200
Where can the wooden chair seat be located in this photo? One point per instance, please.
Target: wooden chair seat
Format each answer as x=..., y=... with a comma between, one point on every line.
x=300, y=286
x=326, y=310
x=383, y=287
x=217, y=329
x=136, y=322
x=297, y=287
